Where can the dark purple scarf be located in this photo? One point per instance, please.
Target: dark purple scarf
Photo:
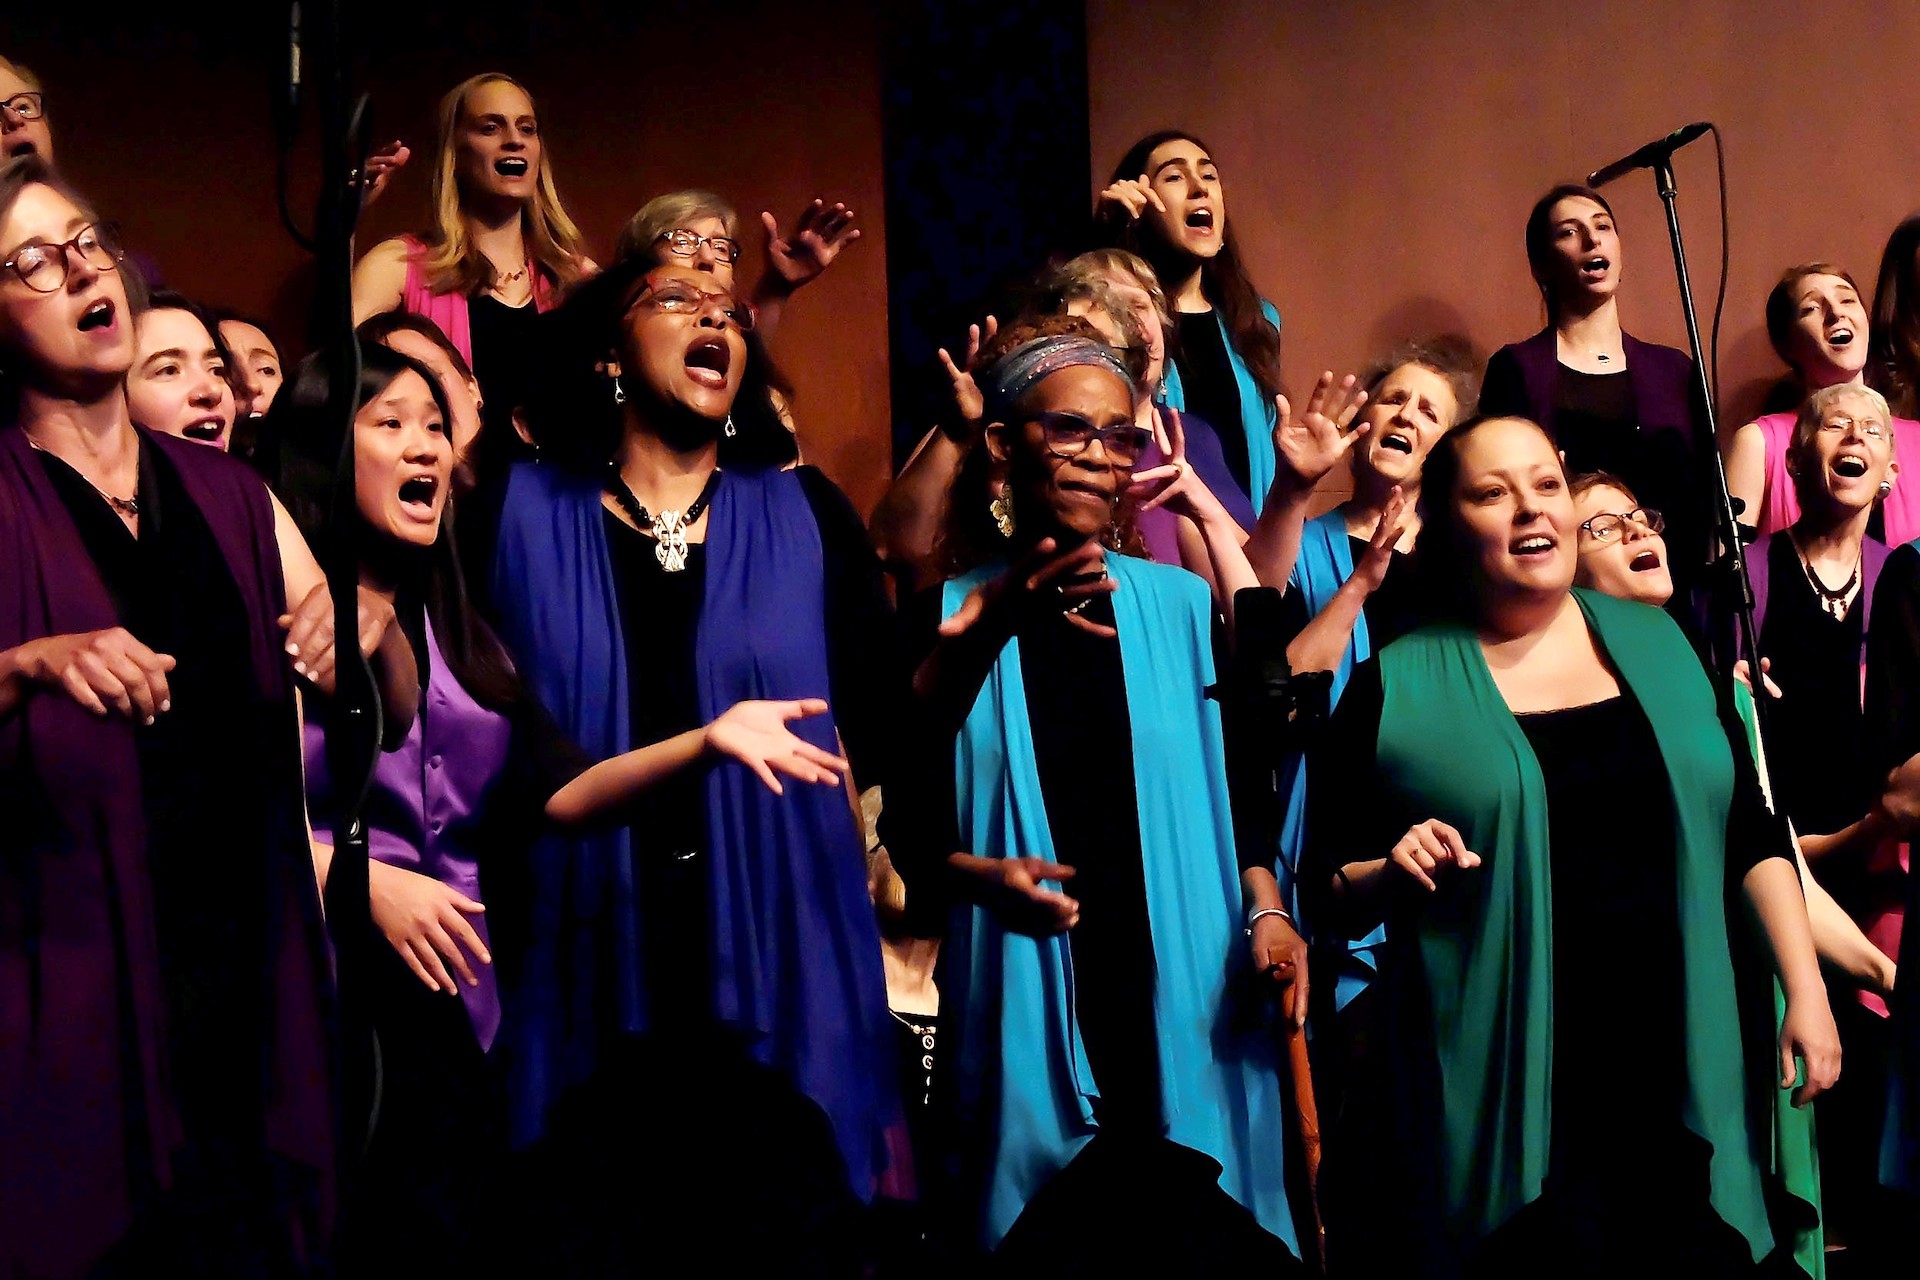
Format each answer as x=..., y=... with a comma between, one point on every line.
x=86, y=1110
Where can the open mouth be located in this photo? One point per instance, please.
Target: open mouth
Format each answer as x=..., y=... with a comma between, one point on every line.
x=709, y=360
x=417, y=494
x=97, y=316
x=1840, y=337
x=1200, y=219
x=1645, y=562
x=1850, y=466
x=1594, y=268
x=23, y=147
x=206, y=430
x=1536, y=544
x=510, y=167
x=1398, y=443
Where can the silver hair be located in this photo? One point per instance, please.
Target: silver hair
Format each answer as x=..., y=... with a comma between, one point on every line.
x=1814, y=411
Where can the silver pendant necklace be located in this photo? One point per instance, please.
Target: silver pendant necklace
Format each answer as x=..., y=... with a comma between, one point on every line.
x=669, y=528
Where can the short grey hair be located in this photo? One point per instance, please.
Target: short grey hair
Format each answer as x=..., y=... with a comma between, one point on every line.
x=1814, y=412
x=667, y=213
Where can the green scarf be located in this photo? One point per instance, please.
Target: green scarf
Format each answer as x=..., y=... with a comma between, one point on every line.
x=1481, y=954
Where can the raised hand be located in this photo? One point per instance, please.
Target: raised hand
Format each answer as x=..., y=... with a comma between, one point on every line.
x=1394, y=517
x=756, y=734
x=1429, y=847
x=970, y=407
x=101, y=670
x=1130, y=196
x=1043, y=579
x=817, y=238
x=426, y=922
x=374, y=176
x=309, y=628
x=1314, y=444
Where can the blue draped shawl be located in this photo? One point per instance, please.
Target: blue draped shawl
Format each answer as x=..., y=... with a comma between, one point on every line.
x=1258, y=414
x=796, y=951
x=1023, y=1083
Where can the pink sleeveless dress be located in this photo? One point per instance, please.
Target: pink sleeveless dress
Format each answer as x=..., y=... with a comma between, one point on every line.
x=1780, y=506
x=449, y=310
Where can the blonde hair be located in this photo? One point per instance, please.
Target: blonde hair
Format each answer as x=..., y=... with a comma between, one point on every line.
x=26, y=75
x=453, y=264
x=1098, y=265
x=667, y=213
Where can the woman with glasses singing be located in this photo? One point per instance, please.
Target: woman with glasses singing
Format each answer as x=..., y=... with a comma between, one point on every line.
x=23, y=116
x=1543, y=796
x=1114, y=1088
x=721, y=944
x=164, y=1082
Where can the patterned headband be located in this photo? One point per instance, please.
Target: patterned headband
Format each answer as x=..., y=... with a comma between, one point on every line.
x=1014, y=374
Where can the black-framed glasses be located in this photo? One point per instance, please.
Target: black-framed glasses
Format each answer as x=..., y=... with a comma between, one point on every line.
x=1609, y=525
x=682, y=243
x=43, y=267
x=679, y=298
x=28, y=106
x=1068, y=435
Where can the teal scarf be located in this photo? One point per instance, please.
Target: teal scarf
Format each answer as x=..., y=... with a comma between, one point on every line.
x=1481, y=953
x=1258, y=414
x=1022, y=1080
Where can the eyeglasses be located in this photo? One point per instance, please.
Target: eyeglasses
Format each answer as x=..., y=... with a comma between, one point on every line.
x=684, y=244
x=25, y=105
x=1069, y=434
x=1870, y=429
x=43, y=267
x=1608, y=525
x=681, y=299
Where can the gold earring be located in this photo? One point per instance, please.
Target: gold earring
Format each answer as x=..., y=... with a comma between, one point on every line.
x=1001, y=509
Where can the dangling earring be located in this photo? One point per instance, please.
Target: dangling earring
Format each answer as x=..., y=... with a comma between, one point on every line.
x=1001, y=509
x=619, y=392
x=731, y=430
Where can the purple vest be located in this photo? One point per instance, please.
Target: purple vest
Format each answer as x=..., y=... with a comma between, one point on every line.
x=424, y=810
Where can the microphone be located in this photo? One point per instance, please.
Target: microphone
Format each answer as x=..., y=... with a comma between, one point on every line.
x=1648, y=156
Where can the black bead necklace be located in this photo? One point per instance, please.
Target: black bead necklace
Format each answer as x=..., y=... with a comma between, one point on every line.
x=669, y=528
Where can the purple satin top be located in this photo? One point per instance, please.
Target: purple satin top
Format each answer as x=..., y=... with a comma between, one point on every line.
x=425, y=810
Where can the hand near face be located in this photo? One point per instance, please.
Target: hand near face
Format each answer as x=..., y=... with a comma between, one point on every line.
x=310, y=638
x=817, y=238
x=969, y=405
x=1131, y=196
x=426, y=922
x=379, y=170
x=1280, y=955
x=1429, y=849
x=1373, y=566
x=1043, y=579
x=755, y=733
x=1314, y=444
x=102, y=671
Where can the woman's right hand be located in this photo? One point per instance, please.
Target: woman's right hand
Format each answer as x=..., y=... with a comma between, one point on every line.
x=756, y=734
x=1373, y=566
x=1130, y=196
x=1314, y=444
x=101, y=670
x=1024, y=905
x=426, y=922
x=969, y=406
x=1427, y=848
x=1044, y=578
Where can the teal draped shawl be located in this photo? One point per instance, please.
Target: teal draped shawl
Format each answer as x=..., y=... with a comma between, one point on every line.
x=1258, y=414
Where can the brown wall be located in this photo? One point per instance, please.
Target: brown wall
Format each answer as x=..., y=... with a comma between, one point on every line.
x=169, y=130
x=1380, y=156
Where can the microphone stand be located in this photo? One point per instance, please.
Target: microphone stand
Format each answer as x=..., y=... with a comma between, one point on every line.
x=1725, y=523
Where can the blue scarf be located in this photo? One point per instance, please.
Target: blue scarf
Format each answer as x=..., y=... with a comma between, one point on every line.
x=1021, y=1075
x=1258, y=414
x=796, y=951
x=1323, y=567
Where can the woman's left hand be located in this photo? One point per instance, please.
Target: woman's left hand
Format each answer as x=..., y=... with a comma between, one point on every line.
x=1808, y=1032
x=816, y=240
x=1173, y=484
x=1280, y=954
x=309, y=628
x=380, y=168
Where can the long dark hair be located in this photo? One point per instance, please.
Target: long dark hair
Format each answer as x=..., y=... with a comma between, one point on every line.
x=1443, y=565
x=306, y=423
x=1539, y=238
x=1223, y=278
x=571, y=411
x=1893, y=356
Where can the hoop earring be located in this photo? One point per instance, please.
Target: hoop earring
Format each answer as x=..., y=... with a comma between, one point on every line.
x=1001, y=509
x=619, y=392
x=731, y=430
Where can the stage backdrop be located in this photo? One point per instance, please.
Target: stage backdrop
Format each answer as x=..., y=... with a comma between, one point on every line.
x=164, y=120
x=1380, y=156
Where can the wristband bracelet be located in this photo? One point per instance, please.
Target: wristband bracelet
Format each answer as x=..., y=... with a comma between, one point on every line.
x=1266, y=911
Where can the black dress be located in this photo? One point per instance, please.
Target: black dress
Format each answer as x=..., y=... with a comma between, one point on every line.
x=1391, y=611
x=206, y=839
x=1610, y=824
x=1212, y=391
